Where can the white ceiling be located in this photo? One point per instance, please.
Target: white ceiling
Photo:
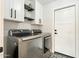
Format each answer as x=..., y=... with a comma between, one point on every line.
x=45, y=1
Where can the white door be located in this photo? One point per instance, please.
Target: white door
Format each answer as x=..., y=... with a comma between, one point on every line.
x=14, y=10
x=65, y=31
x=8, y=9
x=18, y=10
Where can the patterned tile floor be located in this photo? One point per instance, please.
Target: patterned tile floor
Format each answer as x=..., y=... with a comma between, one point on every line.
x=59, y=55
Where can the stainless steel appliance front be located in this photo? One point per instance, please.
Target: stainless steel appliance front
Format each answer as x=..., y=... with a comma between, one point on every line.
x=32, y=48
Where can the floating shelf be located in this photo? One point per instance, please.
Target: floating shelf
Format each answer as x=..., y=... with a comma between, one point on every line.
x=30, y=19
x=28, y=8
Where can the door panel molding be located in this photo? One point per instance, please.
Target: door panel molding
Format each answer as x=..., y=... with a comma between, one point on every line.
x=74, y=5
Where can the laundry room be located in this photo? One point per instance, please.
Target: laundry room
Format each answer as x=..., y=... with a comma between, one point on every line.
x=39, y=28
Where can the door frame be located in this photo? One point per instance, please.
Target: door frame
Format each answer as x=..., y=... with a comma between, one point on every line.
x=76, y=21
x=2, y=27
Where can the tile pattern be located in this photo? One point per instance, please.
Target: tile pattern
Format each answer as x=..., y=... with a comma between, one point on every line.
x=59, y=55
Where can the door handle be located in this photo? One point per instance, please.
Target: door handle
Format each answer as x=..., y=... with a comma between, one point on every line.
x=15, y=14
x=55, y=30
x=11, y=15
x=56, y=33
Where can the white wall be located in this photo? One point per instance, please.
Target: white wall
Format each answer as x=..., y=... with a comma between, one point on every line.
x=1, y=23
x=1, y=26
x=49, y=15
